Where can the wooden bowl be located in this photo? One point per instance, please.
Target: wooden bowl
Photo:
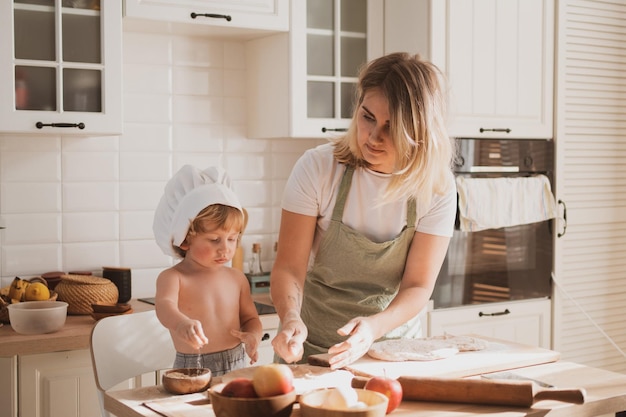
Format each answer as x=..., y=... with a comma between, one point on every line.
x=276, y=406
x=186, y=380
x=116, y=308
x=312, y=404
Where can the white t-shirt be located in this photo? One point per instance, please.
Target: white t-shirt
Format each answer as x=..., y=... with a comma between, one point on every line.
x=312, y=190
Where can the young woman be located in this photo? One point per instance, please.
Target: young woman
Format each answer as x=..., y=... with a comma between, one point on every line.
x=367, y=219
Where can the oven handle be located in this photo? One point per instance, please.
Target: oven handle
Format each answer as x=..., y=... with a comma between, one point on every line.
x=561, y=202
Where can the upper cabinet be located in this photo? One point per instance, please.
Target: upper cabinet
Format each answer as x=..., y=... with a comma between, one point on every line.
x=62, y=63
x=498, y=57
x=302, y=84
x=218, y=17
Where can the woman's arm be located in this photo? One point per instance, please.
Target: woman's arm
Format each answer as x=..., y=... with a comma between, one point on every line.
x=295, y=240
x=423, y=263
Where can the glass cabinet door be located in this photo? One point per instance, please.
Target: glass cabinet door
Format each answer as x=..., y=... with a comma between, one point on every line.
x=64, y=75
x=63, y=60
x=311, y=74
x=336, y=48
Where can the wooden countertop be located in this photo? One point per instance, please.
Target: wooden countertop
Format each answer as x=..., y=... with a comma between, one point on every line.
x=76, y=332
x=74, y=335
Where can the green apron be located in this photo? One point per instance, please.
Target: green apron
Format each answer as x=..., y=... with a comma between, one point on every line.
x=353, y=276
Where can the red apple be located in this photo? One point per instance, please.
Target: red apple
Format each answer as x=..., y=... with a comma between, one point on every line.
x=272, y=379
x=239, y=387
x=389, y=387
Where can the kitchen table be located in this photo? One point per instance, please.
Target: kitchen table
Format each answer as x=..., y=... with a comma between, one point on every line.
x=606, y=394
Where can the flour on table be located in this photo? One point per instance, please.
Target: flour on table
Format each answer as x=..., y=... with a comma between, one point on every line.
x=425, y=349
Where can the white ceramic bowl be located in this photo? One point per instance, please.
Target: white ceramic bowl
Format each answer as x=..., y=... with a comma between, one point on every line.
x=37, y=317
x=312, y=404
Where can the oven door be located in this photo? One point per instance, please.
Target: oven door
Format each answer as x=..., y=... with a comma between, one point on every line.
x=510, y=263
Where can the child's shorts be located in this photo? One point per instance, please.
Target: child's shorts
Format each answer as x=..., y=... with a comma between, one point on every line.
x=218, y=362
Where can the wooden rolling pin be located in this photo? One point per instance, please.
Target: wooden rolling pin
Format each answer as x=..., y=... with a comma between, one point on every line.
x=479, y=391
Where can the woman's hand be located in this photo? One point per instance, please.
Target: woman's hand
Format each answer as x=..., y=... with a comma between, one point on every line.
x=191, y=332
x=354, y=347
x=250, y=342
x=288, y=343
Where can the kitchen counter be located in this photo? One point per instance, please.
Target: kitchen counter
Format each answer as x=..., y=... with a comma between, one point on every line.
x=606, y=394
x=74, y=335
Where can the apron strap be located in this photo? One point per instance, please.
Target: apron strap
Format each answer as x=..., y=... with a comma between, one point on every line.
x=344, y=189
x=411, y=215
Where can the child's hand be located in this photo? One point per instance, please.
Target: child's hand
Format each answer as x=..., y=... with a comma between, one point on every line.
x=250, y=342
x=191, y=331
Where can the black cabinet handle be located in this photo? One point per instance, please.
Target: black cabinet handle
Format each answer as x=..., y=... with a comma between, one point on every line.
x=40, y=125
x=327, y=129
x=266, y=336
x=212, y=15
x=500, y=313
x=506, y=130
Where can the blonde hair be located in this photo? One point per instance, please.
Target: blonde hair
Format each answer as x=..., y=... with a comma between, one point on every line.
x=211, y=217
x=424, y=151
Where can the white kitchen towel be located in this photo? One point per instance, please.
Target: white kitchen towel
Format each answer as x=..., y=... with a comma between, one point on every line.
x=492, y=203
x=186, y=194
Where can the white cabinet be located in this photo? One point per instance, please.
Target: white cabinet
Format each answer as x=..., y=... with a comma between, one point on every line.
x=66, y=76
x=302, y=84
x=59, y=384
x=498, y=57
x=264, y=15
x=270, y=328
x=56, y=384
x=8, y=386
x=527, y=322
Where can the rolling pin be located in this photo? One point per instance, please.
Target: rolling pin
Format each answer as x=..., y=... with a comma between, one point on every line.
x=479, y=391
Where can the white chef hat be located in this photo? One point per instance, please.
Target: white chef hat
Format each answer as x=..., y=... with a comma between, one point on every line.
x=186, y=194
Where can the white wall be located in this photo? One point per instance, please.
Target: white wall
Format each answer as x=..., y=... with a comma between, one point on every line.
x=73, y=204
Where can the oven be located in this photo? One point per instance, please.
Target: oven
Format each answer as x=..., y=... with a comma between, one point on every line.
x=506, y=263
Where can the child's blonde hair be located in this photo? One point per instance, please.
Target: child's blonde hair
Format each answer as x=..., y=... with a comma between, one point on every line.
x=211, y=217
x=417, y=125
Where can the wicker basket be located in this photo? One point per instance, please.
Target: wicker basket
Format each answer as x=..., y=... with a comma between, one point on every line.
x=81, y=291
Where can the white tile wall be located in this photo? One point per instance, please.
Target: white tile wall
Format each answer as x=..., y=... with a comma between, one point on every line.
x=83, y=203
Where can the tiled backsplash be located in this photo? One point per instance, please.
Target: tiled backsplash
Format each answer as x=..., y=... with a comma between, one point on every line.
x=83, y=203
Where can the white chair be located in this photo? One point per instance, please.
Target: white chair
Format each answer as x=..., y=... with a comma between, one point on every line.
x=126, y=346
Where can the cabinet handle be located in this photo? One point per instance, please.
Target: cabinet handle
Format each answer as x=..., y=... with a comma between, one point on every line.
x=501, y=313
x=507, y=130
x=327, y=129
x=561, y=202
x=213, y=15
x=266, y=336
x=40, y=125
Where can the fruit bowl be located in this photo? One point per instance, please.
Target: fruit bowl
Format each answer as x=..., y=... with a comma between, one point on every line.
x=37, y=317
x=314, y=404
x=186, y=380
x=276, y=406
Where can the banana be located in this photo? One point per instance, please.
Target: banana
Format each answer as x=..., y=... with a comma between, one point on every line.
x=17, y=289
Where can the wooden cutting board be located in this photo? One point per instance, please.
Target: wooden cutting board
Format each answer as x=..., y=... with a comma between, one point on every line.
x=500, y=355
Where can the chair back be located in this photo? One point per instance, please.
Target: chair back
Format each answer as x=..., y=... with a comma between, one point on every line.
x=128, y=345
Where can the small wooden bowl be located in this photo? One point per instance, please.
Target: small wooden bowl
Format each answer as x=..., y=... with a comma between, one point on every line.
x=186, y=380
x=276, y=406
x=110, y=308
x=311, y=404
